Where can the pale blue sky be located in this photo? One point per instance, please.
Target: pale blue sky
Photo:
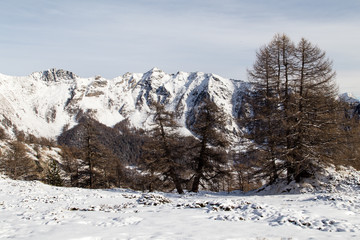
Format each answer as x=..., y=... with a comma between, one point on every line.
x=109, y=37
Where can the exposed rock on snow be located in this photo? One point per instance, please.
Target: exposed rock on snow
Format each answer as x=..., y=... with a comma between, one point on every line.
x=53, y=75
x=153, y=199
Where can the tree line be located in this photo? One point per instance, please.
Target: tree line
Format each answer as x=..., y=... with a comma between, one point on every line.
x=294, y=124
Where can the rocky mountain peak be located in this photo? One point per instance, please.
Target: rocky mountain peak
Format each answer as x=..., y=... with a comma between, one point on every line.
x=55, y=75
x=155, y=69
x=349, y=97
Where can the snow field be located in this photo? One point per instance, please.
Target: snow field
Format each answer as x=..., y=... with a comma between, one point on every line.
x=32, y=210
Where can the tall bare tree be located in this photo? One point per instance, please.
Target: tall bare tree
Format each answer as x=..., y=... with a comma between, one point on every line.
x=210, y=160
x=70, y=164
x=316, y=117
x=294, y=108
x=163, y=151
x=269, y=100
x=102, y=167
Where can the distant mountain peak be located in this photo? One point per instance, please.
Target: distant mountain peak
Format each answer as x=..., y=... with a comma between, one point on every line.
x=155, y=69
x=349, y=97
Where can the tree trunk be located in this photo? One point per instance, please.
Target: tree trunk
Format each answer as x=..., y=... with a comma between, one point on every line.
x=201, y=163
x=176, y=181
x=198, y=175
x=196, y=183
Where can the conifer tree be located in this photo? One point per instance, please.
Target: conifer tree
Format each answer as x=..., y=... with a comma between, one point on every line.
x=349, y=152
x=210, y=159
x=71, y=165
x=16, y=162
x=315, y=122
x=102, y=167
x=53, y=175
x=294, y=110
x=162, y=152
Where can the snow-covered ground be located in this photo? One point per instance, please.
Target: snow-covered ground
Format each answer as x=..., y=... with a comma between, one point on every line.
x=33, y=210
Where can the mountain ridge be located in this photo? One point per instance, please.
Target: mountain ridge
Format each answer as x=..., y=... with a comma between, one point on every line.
x=45, y=102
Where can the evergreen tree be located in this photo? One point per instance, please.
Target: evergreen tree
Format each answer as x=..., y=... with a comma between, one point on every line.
x=53, y=175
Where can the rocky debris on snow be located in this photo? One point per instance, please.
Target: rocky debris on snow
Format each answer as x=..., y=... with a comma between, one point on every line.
x=151, y=199
x=105, y=208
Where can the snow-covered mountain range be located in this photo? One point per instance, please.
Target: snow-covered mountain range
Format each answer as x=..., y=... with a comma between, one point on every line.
x=43, y=103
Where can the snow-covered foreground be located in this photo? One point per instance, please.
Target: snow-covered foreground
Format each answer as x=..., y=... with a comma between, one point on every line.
x=32, y=210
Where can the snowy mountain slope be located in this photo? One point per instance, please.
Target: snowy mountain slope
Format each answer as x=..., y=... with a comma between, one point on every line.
x=32, y=210
x=43, y=103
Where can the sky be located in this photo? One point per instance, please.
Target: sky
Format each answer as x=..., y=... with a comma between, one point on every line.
x=112, y=37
